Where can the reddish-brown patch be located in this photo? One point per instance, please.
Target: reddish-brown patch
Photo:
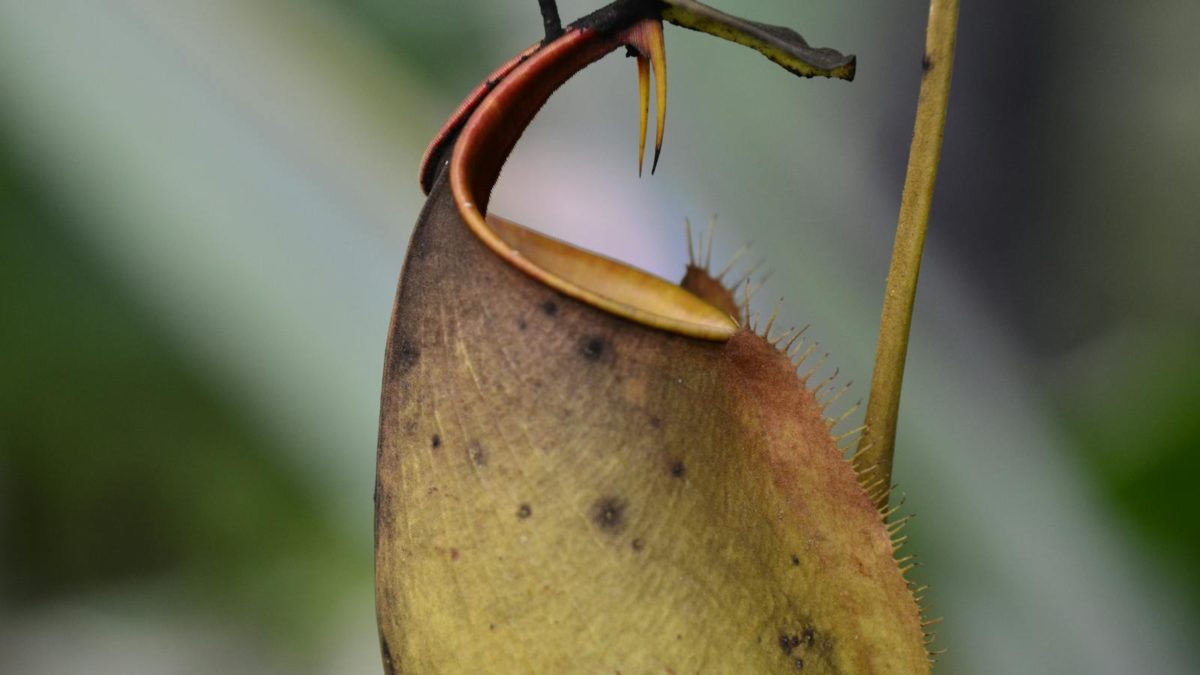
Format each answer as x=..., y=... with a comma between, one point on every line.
x=703, y=285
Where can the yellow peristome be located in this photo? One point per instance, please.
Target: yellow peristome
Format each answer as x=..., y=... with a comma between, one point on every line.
x=609, y=284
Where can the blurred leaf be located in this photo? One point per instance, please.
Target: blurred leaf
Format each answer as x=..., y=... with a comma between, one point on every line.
x=1136, y=416
x=120, y=463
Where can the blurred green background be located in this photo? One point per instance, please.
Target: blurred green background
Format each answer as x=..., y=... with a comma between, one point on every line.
x=204, y=206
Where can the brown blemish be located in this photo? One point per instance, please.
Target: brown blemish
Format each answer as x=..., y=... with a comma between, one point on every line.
x=795, y=560
x=524, y=511
x=477, y=454
x=388, y=667
x=454, y=554
x=678, y=470
x=593, y=348
x=701, y=283
x=379, y=512
x=436, y=441
x=633, y=389
x=788, y=643
x=521, y=325
x=637, y=545
x=550, y=308
x=656, y=422
x=405, y=355
x=608, y=513
x=926, y=63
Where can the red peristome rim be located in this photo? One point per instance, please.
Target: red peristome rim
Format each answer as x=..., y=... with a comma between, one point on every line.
x=463, y=112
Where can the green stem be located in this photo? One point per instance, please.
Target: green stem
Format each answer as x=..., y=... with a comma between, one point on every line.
x=877, y=445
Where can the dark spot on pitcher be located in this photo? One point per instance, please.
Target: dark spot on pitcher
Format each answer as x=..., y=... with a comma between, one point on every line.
x=388, y=667
x=405, y=354
x=593, y=348
x=608, y=513
x=788, y=643
x=678, y=470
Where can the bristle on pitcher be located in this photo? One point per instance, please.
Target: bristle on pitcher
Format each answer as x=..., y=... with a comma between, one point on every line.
x=827, y=389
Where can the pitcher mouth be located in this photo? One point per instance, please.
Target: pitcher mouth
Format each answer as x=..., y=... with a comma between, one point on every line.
x=610, y=284
x=485, y=129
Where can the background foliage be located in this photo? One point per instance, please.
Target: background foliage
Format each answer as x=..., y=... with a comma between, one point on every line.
x=204, y=207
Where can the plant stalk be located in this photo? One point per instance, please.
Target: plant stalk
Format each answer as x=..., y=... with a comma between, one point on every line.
x=550, y=20
x=877, y=445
